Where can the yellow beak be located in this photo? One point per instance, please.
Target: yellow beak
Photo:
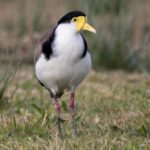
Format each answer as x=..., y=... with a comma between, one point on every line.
x=88, y=28
x=83, y=25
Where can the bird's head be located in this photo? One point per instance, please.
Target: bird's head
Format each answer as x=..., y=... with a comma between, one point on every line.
x=77, y=18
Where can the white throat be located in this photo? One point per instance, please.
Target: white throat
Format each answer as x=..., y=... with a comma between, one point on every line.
x=68, y=41
x=66, y=28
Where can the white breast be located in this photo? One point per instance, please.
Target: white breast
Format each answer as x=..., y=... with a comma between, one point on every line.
x=66, y=69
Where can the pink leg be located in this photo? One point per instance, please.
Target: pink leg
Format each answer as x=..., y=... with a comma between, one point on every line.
x=72, y=111
x=57, y=108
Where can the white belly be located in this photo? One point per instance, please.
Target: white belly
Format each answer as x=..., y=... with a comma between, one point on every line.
x=61, y=72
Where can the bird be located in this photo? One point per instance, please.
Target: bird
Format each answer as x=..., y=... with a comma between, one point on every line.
x=62, y=60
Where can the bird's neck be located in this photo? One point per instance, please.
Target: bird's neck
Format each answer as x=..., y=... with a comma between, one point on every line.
x=66, y=29
x=68, y=41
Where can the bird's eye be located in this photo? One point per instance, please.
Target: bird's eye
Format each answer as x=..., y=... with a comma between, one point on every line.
x=74, y=19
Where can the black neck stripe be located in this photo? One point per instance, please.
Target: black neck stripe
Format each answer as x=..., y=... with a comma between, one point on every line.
x=47, y=45
x=85, y=47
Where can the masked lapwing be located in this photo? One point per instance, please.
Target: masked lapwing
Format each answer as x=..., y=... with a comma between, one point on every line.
x=62, y=59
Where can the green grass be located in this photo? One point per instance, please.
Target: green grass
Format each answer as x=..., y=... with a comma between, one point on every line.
x=113, y=112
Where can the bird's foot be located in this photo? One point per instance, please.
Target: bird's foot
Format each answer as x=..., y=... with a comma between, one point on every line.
x=75, y=133
x=59, y=126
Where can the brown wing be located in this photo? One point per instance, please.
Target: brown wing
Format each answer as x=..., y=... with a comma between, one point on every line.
x=39, y=46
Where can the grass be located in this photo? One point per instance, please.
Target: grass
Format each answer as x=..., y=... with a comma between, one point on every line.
x=8, y=71
x=115, y=44
x=113, y=107
x=113, y=112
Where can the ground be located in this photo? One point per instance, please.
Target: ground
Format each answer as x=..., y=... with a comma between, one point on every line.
x=113, y=112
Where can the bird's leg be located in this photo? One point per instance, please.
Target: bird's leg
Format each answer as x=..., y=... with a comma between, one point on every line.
x=72, y=111
x=57, y=108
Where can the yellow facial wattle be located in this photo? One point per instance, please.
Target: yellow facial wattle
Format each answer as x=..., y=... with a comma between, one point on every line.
x=82, y=24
